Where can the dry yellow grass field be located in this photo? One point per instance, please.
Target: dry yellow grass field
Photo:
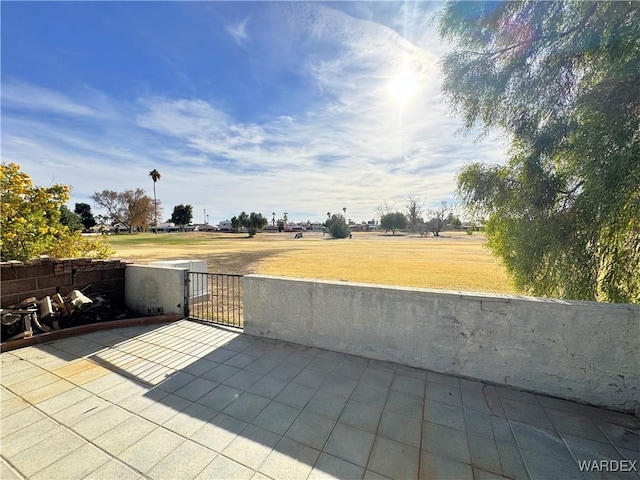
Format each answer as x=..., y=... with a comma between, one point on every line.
x=453, y=261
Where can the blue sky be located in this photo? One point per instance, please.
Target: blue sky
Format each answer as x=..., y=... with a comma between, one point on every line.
x=270, y=107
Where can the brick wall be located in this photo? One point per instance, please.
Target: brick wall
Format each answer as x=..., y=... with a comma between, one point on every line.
x=44, y=276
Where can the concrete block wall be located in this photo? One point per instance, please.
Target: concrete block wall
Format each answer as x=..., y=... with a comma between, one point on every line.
x=583, y=351
x=46, y=276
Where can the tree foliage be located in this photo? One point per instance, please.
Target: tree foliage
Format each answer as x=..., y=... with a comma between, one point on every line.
x=337, y=226
x=86, y=217
x=70, y=219
x=132, y=209
x=252, y=222
x=30, y=222
x=562, y=79
x=393, y=221
x=182, y=215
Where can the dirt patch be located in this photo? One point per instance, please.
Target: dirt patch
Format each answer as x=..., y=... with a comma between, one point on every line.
x=240, y=263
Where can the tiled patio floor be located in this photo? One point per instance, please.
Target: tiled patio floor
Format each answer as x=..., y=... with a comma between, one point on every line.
x=185, y=400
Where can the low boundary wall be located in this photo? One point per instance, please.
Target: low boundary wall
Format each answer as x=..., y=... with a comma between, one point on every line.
x=582, y=351
x=47, y=276
x=157, y=290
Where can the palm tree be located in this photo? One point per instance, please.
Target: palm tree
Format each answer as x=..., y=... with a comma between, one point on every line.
x=344, y=209
x=155, y=176
x=273, y=219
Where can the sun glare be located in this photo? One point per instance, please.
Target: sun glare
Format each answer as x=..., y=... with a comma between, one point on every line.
x=403, y=87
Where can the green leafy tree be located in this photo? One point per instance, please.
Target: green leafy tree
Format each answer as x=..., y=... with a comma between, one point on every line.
x=86, y=217
x=393, y=221
x=70, y=219
x=30, y=221
x=252, y=222
x=562, y=80
x=182, y=215
x=337, y=227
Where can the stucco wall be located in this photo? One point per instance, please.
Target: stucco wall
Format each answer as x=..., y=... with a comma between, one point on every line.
x=156, y=290
x=576, y=350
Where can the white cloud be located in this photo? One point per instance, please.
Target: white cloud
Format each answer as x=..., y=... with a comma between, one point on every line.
x=238, y=32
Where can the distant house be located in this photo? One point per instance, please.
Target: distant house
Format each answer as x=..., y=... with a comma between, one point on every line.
x=225, y=226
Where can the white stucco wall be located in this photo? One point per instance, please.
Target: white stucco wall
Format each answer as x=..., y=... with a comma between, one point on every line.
x=584, y=351
x=155, y=290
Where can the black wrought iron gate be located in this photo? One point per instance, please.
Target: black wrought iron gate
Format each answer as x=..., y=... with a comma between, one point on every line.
x=216, y=298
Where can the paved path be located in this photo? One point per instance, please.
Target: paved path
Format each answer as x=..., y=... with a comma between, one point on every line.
x=186, y=400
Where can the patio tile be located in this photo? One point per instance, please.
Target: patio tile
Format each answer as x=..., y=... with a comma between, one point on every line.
x=185, y=462
x=77, y=464
x=361, y=415
x=405, y=404
x=329, y=467
x=31, y=383
x=197, y=388
x=443, y=379
x=376, y=378
x=436, y=467
x=394, y=459
x=350, y=444
x=400, y=427
x=540, y=440
x=18, y=420
x=484, y=454
x=295, y=395
x=123, y=390
x=348, y=369
x=246, y=407
x=370, y=394
x=526, y=413
x=583, y=449
x=199, y=367
x=267, y=387
x=219, y=397
x=190, y=420
x=12, y=405
x=285, y=372
x=479, y=423
x=222, y=467
x=50, y=450
x=239, y=360
x=311, y=430
x=219, y=432
x=252, y=446
x=323, y=365
x=23, y=438
x=326, y=405
x=161, y=411
x=310, y=378
x=151, y=449
x=261, y=366
x=243, y=379
x=544, y=467
x=48, y=391
x=176, y=381
x=446, y=441
x=443, y=393
x=220, y=373
x=484, y=475
x=220, y=355
x=517, y=395
x=409, y=385
x=112, y=470
x=122, y=436
x=443, y=414
x=511, y=461
x=339, y=386
x=103, y=421
x=381, y=365
x=574, y=424
x=276, y=417
x=621, y=436
x=289, y=460
x=475, y=400
x=138, y=402
x=502, y=429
